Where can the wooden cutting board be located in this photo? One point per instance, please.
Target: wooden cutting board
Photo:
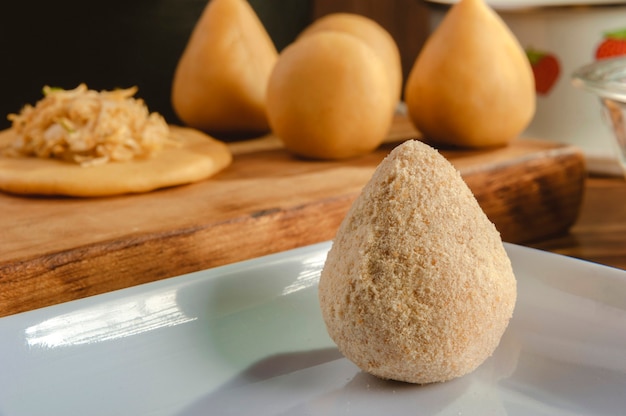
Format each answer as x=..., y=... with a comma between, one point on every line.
x=57, y=249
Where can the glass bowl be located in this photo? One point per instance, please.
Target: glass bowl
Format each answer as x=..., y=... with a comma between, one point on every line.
x=606, y=78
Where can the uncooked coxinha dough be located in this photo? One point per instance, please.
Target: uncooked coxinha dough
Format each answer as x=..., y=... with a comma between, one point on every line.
x=329, y=97
x=373, y=34
x=196, y=157
x=417, y=286
x=82, y=142
x=220, y=81
x=471, y=85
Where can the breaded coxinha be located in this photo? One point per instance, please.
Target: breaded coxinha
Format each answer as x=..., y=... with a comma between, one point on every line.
x=417, y=286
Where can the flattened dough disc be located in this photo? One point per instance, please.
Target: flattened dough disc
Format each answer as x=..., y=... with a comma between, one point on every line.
x=198, y=157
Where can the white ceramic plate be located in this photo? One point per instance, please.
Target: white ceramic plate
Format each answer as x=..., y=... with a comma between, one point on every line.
x=248, y=339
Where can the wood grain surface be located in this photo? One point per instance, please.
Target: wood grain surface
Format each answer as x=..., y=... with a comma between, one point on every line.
x=57, y=249
x=599, y=234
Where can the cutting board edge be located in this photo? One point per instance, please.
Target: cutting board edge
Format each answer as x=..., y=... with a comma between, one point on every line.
x=115, y=264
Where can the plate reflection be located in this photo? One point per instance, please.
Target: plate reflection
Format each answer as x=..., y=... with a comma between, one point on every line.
x=108, y=321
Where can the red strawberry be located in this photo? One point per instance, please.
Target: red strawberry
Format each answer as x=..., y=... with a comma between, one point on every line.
x=546, y=69
x=613, y=44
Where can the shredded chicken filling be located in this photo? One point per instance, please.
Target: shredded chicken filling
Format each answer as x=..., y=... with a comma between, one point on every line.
x=88, y=127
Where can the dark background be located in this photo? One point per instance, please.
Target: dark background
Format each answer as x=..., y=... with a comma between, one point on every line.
x=110, y=44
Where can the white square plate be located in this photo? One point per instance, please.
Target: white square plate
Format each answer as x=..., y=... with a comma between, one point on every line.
x=248, y=338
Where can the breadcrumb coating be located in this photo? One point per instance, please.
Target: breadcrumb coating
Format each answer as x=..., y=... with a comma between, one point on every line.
x=417, y=286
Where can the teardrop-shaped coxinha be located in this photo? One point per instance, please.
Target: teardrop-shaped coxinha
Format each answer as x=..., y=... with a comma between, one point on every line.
x=417, y=286
x=220, y=82
x=471, y=85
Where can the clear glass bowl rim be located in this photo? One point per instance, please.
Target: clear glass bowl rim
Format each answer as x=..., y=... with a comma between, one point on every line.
x=605, y=77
